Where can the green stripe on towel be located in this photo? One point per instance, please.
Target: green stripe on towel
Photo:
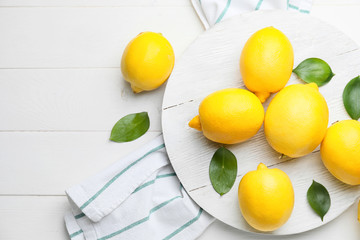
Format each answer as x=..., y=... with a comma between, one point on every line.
x=258, y=5
x=139, y=188
x=76, y=233
x=184, y=226
x=293, y=6
x=118, y=175
x=153, y=181
x=304, y=11
x=224, y=11
x=297, y=8
x=80, y=216
x=141, y=220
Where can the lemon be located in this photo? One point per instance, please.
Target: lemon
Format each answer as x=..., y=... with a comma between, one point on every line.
x=296, y=120
x=266, y=198
x=229, y=116
x=266, y=62
x=147, y=61
x=340, y=151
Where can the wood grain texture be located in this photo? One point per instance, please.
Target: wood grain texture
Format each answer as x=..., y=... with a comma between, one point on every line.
x=48, y=163
x=71, y=100
x=35, y=217
x=22, y=28
x=347, y=10
x=335, y=3
x=93, y=3
x=83, y=37
x=210, y=64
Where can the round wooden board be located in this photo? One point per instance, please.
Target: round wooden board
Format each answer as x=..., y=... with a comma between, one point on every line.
x=211, y=63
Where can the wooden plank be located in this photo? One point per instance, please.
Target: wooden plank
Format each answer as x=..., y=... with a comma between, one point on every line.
x=347, y=17
x=348, y=3
x=142, y=3
x=84, y=37
x=93, y=3
x=71, y=99
x=48, y=163
x=33, y=218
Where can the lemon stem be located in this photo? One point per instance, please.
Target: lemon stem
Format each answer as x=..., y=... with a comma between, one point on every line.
x=335, y=122
x=136, y=89
x=313, y=85
x=195, y=123
x=262, y=96
x=261, y=166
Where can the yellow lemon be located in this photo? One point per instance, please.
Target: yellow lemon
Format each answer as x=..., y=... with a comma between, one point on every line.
x=147, y=61
x=340, y=151
x=229, y=116
x=266, y=198
x=296, y=120
x=266, y=62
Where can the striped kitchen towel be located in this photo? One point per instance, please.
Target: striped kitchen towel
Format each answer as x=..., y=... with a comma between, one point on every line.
x=138, y=197
x=211, y=12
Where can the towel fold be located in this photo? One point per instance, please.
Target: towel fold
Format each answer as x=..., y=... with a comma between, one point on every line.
x=138, y=197
x=211, y=12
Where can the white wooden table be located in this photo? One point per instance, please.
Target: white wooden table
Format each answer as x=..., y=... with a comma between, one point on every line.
x=61, y=92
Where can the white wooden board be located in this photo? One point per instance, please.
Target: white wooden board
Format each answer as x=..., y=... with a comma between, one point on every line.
x=71, y=100
x=45, y=163
x=210, y=64
x=86, y=37
x=33, y=217
x=48, y=163
x=94, y=3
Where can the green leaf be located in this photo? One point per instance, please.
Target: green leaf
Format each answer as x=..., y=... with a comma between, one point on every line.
x=351, y=98
x=223, y=170
x=319, y=199
x=314, y=70
x=130, y=127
